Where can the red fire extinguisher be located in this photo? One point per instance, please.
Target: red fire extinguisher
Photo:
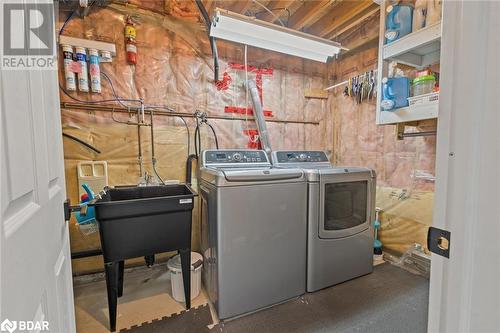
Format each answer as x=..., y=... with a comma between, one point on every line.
x=130, y=43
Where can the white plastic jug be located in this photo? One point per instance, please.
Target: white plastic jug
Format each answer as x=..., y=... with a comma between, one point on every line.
x=433, y=12
x=419, y=15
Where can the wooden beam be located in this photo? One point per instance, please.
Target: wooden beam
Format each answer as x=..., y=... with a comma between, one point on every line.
x=309, y=13
x=364, y=37
x=316, y=93
x=370, y=11
x=273, y=5
x=209, y=6
x=241, y=6
x=339, y=16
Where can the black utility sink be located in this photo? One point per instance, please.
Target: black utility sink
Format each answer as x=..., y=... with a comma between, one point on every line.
x=136, y=221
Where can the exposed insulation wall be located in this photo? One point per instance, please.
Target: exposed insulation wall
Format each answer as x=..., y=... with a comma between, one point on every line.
x=405, y=168
x=175, y=69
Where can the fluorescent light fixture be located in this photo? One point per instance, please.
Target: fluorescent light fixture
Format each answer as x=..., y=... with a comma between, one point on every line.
x=250, y=31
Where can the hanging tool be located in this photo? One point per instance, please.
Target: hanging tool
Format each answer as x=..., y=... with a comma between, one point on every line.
x=372, y=85
x=364, y=87
x=359, y=90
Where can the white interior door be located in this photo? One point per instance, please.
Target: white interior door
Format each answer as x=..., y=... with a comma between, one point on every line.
x=35, y=278
x=465, y=289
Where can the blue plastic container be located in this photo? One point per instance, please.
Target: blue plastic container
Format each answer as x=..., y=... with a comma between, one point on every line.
x=398, y=22
x=395, y=93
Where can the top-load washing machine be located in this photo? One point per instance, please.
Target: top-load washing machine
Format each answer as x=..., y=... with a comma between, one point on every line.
x=341, y=208
x=253, y=227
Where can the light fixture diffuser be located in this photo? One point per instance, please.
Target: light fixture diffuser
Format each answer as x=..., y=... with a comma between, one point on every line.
x=251, y=31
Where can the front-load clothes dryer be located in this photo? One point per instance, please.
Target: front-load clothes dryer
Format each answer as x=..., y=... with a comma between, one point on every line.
x=253, y=231
x=341, y=208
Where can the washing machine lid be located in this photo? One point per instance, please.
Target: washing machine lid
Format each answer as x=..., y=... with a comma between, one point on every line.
x=261, y=175
x=230, y=167
x=239, y=176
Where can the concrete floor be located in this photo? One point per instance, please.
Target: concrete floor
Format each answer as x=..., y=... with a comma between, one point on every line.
x=390, y=299
x=147, y=295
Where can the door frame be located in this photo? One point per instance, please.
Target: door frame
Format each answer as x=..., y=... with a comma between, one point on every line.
x=464, y=294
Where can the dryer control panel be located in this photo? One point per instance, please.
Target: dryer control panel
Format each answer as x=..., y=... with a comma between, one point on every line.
x=301, y=156
x=235, y=157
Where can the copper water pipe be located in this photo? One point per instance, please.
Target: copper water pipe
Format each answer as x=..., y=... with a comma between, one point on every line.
x=111, y=108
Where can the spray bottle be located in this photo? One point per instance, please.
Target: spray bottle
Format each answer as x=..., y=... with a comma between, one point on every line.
x=89, y=217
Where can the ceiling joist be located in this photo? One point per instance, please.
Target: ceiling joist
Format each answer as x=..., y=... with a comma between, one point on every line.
x=241, y=6
x=362, y=16
x=309, y=13
x=277, y=8
x=209, y=6
x=330, y=19
x=341, y=15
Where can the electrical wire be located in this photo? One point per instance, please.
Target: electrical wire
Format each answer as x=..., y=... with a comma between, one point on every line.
x=120, y=100
x=73, y=14
x=67, y=21
x=215, y=136
x=99, y=101
x=288, y=13
x=276, y=17
x=88, y=145
x=200, y=120
x=213, y=40
x=115, y=95
x=197, y=138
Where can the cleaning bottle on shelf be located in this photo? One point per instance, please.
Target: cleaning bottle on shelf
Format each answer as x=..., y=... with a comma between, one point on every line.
x=398, y=21
x=434, y=9
x=395, y=93
x=419, y=15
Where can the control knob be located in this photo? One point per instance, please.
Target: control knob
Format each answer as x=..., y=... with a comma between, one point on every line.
x=237, y=157
x=302, y=157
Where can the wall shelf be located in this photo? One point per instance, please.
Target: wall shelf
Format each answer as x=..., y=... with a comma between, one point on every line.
x=418, y=49
x=88, y=44
x=410, y=113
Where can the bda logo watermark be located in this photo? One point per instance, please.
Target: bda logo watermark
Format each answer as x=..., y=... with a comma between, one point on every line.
x=24, y=326
x=28, y=35
x=8, y=326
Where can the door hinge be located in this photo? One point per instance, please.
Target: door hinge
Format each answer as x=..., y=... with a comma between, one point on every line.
x=438, y=241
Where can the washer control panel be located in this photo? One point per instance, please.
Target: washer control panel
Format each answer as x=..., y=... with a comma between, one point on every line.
x=235, y=156
x=301, y=156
